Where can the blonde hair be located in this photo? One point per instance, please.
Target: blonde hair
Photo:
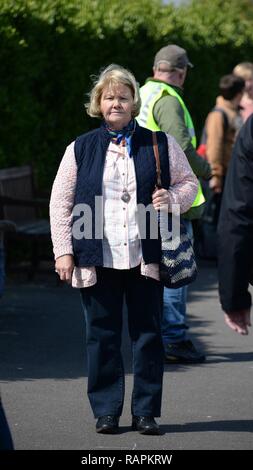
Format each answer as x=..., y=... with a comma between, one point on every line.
x=112, y=75
x=244, y=70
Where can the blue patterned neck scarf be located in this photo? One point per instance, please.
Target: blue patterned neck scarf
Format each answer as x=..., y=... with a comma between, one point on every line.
x=123, y=136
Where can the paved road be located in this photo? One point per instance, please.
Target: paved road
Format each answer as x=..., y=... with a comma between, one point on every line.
x=43, y=376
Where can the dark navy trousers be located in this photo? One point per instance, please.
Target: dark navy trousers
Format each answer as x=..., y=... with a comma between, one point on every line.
x=103, y=305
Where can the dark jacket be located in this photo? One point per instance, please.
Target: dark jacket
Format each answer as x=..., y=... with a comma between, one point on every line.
x=235, y=229
x=90, y=152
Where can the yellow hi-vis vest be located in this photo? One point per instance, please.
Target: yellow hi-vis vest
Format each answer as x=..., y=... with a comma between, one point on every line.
x=150, y=93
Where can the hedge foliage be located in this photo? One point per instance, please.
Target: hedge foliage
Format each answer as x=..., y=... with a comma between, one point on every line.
x=49, y=50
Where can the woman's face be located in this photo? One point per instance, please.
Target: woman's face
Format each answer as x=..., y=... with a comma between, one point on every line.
x=117, y=106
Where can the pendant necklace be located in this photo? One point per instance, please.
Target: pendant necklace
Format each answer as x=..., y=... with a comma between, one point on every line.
x=125, y=196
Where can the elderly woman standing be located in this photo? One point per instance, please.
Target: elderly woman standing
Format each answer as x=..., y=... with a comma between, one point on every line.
x=116, y=163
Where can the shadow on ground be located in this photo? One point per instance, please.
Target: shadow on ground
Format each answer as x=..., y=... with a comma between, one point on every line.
x=207, y=426
x=42, y=329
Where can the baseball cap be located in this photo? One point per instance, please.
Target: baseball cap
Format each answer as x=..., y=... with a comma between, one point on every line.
x=173, y=55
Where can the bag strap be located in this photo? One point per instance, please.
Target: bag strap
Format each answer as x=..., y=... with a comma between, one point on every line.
x=157, y=159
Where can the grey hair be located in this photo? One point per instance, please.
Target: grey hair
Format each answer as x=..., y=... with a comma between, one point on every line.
x=112, y=75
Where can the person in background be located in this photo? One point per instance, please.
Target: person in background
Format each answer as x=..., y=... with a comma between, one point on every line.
x=235, y=231
x=220, y=138
x=245, y=71
x=116, y=163
x=163, y=108
x=6, y=441
x=221, y=127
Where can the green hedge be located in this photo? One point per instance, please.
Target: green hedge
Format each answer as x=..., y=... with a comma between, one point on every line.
x=49, y=50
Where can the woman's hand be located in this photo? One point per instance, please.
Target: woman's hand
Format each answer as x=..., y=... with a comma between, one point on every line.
x=160, y=199
x=64, y=266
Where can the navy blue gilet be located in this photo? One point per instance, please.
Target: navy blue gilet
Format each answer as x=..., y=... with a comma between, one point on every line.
x=90, y=152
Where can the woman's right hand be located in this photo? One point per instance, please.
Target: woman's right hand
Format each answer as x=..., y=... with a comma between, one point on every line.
x=64, y=266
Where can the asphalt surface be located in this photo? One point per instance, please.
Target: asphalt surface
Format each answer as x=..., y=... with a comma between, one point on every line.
x=43, y=375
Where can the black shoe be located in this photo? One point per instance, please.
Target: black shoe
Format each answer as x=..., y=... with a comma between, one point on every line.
x=183, y=352
x=145, y=425
x=107, y=424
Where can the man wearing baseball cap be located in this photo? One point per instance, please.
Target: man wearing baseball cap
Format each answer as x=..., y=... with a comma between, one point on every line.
x=174, y=56
x=163, y=109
